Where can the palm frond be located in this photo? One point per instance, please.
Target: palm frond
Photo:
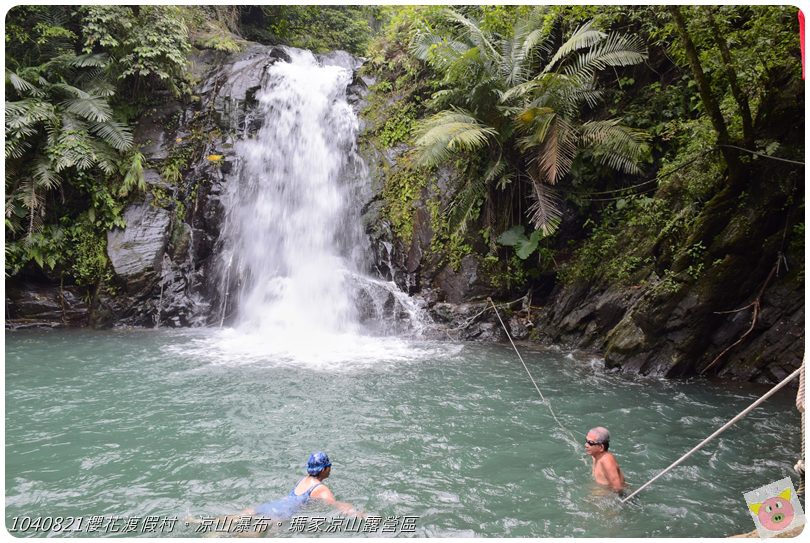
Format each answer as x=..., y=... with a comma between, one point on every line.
x=474, y=33
x=72, y=149
x=101, y=87
x=447, y=55
x=95, y=60
x=24, y=114
x=464, y=207
x=22, y=86
x=495, y=170
x=60, y=62
x=582, y=38
x=520, y=50
x=71, y=90
x=620, y=147
x=89, y=107
x=45, y=175
x=33, y=200
x=69, y=122
x=554, y=157
x=115, y=134
x=16, y=147
x=449, y=132
x=535, y=119
x=545, y=212
x=423, y=43
x=107, y=158
x=440, y=99
x=574, y=97
x=615, y=50
x=521, y=90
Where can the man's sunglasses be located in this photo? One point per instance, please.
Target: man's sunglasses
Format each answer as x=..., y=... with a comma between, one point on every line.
x=592, y=443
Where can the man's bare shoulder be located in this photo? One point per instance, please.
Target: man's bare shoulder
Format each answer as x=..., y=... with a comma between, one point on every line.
x=608, y=460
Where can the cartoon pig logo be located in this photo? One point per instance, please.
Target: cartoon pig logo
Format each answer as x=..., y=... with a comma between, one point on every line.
x=774, y=513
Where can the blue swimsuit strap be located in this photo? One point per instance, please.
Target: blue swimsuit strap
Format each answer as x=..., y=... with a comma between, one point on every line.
x=307, y=492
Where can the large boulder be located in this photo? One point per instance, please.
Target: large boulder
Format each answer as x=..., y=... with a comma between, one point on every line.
x=137, y=250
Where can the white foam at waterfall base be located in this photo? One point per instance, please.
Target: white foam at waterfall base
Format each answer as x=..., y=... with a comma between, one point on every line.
x=292, y=239
x=323, y=352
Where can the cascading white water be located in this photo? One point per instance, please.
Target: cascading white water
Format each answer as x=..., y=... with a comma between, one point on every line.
x=293, y=248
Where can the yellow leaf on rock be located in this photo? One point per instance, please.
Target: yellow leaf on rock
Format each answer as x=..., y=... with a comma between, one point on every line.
x=214, y=158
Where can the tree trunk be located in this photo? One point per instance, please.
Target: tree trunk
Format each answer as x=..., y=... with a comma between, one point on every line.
x=712, y=108
x=736, y=91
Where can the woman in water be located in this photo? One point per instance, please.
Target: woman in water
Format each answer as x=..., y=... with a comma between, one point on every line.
x=310, y=487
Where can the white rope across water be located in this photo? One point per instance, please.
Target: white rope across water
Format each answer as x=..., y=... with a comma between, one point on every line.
x=548, y=404
x=717, y=432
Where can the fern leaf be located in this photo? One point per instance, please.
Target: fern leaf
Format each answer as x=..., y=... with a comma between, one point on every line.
x=92, y=108
x=115, y=134
x=23, y=86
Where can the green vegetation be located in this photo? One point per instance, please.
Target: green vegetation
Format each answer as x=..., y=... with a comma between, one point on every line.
x=318, y=28
x=515, y=99
x=530, y=109
x=595, y=144
x=75, y=78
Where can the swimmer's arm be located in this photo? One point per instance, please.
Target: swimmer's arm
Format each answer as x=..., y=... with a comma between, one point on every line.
x=610, y=469
x=324, y=494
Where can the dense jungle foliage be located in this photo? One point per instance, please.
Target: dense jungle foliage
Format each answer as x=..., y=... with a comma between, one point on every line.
x=582, y=143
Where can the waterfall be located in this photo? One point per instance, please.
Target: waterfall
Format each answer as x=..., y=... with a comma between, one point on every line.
x=293, y=251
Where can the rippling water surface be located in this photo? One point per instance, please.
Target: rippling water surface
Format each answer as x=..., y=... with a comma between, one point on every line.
x=137, y=423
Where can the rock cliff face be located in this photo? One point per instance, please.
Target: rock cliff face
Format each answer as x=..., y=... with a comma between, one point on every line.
x=742, y=317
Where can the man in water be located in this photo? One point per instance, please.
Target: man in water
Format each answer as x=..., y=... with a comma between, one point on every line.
x=606, y=470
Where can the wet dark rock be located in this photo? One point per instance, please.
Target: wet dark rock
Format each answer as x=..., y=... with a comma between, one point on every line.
x=154, y=130
x=153, y=178
x=278, y=53
x=229, y=89
x=519, y=326
x=466, y=283
x=33, y=305
x=357, y=91
x=466, y=321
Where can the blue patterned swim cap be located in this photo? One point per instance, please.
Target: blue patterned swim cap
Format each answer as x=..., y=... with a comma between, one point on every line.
x=318, y=461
